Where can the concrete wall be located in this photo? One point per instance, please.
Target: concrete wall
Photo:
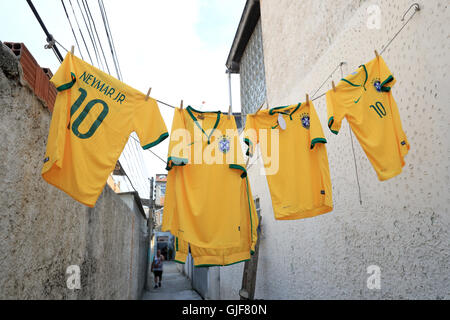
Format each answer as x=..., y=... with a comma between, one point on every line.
x=403, y=225
x=42, y=230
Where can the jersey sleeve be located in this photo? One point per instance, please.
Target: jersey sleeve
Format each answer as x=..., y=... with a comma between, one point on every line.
x=149, y=124
x=386, y=77
x=316, y=134
x=179, y=143
x=65, y=77
x=251, y=136
x=403, y=143
x=334, y=115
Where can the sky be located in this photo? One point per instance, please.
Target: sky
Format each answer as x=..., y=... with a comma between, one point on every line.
x=176, y=47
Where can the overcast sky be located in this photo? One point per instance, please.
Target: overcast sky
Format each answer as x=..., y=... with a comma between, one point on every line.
x=177, y=47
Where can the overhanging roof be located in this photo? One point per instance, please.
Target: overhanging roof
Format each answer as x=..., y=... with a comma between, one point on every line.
x=249, y=19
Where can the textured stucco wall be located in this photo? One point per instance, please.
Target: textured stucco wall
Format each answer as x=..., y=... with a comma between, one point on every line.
x=403, y=225
x=43, y=230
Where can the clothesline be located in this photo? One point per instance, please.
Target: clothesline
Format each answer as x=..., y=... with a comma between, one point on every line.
x=313, y=97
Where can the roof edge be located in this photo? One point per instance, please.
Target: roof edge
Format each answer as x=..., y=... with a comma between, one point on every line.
x=249, y=19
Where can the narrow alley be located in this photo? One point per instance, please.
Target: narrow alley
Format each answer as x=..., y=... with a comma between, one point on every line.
x=175, y=286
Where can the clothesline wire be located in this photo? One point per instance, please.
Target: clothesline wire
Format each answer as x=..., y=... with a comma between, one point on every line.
x=417, y=8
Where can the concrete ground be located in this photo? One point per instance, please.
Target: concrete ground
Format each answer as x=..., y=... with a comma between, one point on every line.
x=174, y=286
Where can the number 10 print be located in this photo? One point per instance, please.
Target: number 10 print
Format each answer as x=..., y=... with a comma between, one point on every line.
x=378, y=106
x=84, y=113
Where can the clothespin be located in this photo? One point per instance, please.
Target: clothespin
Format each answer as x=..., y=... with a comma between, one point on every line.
x=148, y=94
x=334, y=87
x=72, y=50
x=181, y=105
x=229, y=112
x=307, y=99
x=376, y=53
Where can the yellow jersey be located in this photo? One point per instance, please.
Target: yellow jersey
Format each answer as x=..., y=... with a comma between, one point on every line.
x=93, y=117
x=365, y=99
x=206, y=168
x=207, y=257
x=295, y=159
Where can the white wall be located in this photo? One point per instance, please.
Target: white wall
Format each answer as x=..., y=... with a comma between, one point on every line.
x=403, y=224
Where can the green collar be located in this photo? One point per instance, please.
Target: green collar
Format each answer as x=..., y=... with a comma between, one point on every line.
x=189, y=109
x=279, y=110
x=358, y=85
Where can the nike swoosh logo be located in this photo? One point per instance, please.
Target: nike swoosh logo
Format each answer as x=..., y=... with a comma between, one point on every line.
x=358, y=100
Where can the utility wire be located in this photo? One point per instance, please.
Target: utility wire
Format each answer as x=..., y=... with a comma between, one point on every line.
x=112, y=39
x=89, y=33
x=98, y=38
x=109, y=39
x=71, y=27
x=49, y=36
x=79, y=29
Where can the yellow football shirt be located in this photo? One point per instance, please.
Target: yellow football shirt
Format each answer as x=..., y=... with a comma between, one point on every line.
x=365, y=99
x=295, y=159
x=207, y=257
x=206, y=169
x=93, y=117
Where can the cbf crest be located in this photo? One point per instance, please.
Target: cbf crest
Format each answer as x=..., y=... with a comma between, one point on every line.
x=304, y=117
x=377, y=84
x=224, y=144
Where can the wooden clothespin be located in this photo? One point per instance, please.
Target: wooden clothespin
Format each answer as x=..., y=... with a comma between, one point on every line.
x=181, y=105
x=72, y=50
x=307, y=99
x=148, y=94
x=230, y=112
x=334, y=87
x=376, y=53
x=260, y=107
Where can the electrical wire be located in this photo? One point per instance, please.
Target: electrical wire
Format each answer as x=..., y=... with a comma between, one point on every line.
x=98, y=38
x=81, y=33
x=73, y=31
x=112, y=39
x=89, y=33
x=109, y=37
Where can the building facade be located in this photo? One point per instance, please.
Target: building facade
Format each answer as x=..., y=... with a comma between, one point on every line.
x=400, y=227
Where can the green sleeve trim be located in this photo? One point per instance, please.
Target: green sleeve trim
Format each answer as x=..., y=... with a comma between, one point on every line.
x=179, y=262
x=330, y=124
x=389, y=79
x=158, y=141
x=69, y=84
x=250, y=147
x=236, y=166
x=174, y=161
x=317, y=140
x=252, y=252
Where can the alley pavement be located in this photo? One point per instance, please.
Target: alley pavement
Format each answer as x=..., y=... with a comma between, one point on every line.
x=174, y=286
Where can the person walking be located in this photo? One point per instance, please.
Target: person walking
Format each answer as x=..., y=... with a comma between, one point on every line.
x=157, y=268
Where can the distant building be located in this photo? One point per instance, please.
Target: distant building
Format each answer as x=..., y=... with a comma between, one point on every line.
x=160, y=189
